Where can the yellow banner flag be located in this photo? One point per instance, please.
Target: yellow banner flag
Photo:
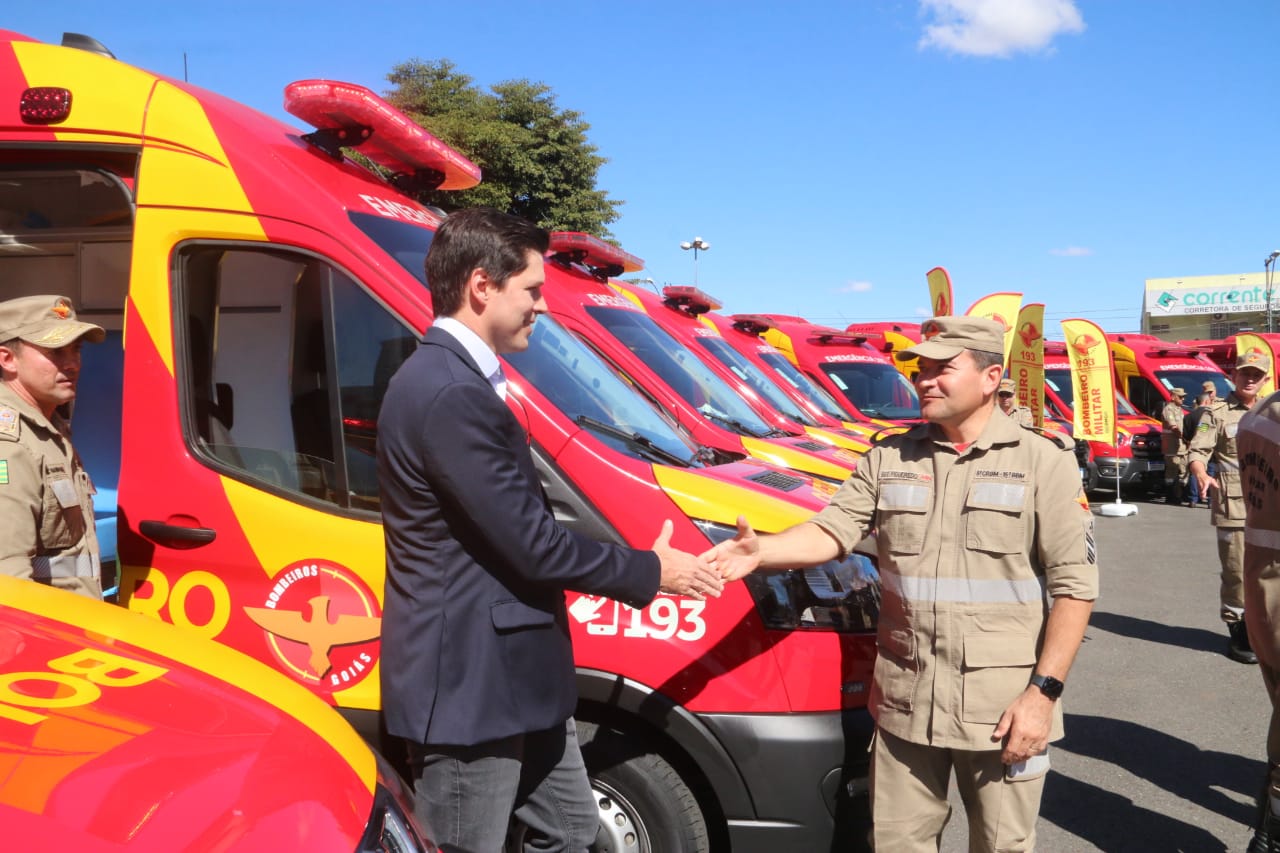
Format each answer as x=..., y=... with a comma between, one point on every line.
x=940, y=292
x=1093, y=381
x=1026, y=359
x=1003, y=308
x=1256, y=343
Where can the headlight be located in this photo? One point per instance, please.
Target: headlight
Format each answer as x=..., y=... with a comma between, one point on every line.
x=840, y=595
x=392, y=828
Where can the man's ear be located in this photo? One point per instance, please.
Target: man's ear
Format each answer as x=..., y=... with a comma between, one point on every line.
x=479, y=287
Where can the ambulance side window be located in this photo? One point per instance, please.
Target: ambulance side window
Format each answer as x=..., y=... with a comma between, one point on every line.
x=287, y=359
x=1145, y=397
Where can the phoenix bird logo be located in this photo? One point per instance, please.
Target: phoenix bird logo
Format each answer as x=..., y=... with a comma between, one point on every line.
x=1004, y=324
x=61, y=309
x=1084, y=343
x=941, y=307
x=1029, y=333
x=317, y=632
x=929, y=330
x=1254, y=355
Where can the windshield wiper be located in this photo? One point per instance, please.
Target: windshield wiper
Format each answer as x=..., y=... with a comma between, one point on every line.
x=735, y=425
x=633, y=439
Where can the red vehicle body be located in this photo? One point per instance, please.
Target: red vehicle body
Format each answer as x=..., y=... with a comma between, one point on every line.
x=854, y=369
x=688, y=314
x=615, y=324
x=269, y=288
x=1135, y=459
x=1223, y=353
x=896, y=336
x=1147, y=367
x=119, y=733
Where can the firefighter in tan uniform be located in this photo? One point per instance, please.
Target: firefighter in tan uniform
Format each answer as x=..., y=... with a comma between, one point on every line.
x=1007, y=398
x=1172, y=445
x=1258, y=442
x=46, y=498
x=1215, y=439
x=979, y=523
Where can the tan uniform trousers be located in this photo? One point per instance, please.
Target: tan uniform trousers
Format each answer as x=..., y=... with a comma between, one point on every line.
x=909, y=784
x=1175, y=471
x=1231, y=587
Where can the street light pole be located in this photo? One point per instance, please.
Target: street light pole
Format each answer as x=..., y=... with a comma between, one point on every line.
x=1269, y=265
x=696, y=244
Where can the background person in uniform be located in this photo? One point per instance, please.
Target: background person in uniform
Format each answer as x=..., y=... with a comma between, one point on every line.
x=1009, y=404
x=1207, y=387
x=1259, y=444
x=1189, y=424
x=1215, y=440
x=976, y=519
x=46, y=498
x=1171, y=445
x=477, y=671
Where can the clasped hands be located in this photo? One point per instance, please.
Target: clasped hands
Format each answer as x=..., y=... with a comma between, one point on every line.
x=706, y=574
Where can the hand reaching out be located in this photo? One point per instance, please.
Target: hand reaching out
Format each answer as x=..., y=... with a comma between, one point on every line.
x=735, y=558
x=683, y=573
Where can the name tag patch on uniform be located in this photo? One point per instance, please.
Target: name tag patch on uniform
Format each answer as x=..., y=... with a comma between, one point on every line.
x=1231, y=430
x=1010, y=495
x=903, y=496
x=65, y=493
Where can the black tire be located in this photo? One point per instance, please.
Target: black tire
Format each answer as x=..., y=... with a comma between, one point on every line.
x=645, y=806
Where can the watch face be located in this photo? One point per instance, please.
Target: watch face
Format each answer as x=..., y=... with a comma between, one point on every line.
x=1048, y=685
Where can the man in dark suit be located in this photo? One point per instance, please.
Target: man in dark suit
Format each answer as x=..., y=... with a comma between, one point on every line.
x=477, y=663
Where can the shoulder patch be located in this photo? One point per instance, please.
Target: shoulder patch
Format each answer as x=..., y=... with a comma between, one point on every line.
x=1057, y=438
x=9, y=423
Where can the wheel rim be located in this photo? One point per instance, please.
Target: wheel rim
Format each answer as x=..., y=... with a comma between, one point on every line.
x=620, y=829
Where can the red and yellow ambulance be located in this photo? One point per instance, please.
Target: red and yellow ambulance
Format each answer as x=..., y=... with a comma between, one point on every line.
x=259, y=290
x=850, y=367
x=896, y=337
x=1147, y=367
x=1134, y=459
x=120, y=733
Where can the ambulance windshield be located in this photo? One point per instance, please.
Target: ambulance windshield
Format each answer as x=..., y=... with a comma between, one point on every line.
x=878, y=390
x=755, y=380
x=681, y=369
x=405, y=242
x=816, y=394
x=1059, y=381
x=588, y=392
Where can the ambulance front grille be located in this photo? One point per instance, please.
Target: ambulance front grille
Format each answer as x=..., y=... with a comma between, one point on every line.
x=777, y=480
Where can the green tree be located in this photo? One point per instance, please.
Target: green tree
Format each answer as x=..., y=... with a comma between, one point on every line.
x=535, y=157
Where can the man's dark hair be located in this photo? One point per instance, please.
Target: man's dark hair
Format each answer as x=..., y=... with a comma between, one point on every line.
x=478, y=238
x=984, y=359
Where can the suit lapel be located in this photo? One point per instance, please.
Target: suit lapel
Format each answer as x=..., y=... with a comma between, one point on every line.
x=439, y=337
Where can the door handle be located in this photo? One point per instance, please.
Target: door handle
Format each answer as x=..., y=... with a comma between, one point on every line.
x=159, y=531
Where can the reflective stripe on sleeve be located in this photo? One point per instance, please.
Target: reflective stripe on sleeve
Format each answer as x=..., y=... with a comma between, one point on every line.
x=62, y=566
x=1011, y=495
x=1259, y=538
x=997, y=591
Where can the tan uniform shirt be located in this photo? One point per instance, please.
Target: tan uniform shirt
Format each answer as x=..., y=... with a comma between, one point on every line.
x=46, y=502
x=1020, y=415
x=1259, y=445
x=969, y=545
x=1215, y=439
x=1171, y=435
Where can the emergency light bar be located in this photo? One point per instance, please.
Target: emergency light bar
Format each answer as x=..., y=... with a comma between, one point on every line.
x=603, y=259
x=752, y=324
x=838, y=338
x=345, y=114
x=690, y=299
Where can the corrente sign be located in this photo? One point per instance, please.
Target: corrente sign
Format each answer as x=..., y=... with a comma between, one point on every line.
x=1209, y=295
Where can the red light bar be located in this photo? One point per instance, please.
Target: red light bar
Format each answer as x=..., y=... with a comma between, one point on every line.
x=690, y=298
x=752, y=324
x=602, y=258
x=345, y=114
x=45, y=105
x=839, y=338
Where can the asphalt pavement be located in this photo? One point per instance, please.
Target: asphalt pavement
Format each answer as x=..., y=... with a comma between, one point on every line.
x=1166, y=736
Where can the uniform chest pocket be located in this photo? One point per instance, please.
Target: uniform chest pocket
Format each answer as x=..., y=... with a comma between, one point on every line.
x=902, y=516
x=62, y=522
x=994, y=517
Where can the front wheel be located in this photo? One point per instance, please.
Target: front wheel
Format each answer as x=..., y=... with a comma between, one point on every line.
x=645, y=806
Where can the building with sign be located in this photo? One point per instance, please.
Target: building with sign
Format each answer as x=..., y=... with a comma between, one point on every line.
x=1208, y=306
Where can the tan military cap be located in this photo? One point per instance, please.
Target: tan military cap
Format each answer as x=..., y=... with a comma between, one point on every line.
x=947, y=337
x=1177, y=392
x=1254, y=358
x=1007, y=386
x=46, y=321
x=1208, y=387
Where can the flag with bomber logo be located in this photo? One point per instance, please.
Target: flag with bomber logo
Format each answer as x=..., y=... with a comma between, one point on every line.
x=1092, y=380
x=1003, y=308
x=1026, y=359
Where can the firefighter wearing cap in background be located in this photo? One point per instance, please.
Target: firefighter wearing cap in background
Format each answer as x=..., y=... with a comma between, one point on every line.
x=1171, y=444
x=1207, y=387
x=1007, y=398
x=976, y=519
x=46, y=498
x=1215, y=440
x=1259, y=444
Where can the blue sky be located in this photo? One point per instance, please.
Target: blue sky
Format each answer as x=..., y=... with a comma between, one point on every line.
x=833, y=152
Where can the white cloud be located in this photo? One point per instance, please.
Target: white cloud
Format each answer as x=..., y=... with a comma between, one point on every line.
x=1072, y=252
x=854, y=287
x=997, y=27
x=923, y=312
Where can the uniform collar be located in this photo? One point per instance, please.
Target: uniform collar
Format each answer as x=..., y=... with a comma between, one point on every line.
x=999, y=430
x=10, y=399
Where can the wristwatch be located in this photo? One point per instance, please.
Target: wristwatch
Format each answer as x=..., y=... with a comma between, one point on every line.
x=1048, y=685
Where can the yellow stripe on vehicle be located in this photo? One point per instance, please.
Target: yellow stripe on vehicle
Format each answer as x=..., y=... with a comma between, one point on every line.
x=796, y=460
x=108, y=97
x=711, y=500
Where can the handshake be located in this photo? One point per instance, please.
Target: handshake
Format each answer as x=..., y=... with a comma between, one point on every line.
x=706, y=574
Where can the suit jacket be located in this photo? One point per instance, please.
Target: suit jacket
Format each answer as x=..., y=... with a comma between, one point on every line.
x=475, y=639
